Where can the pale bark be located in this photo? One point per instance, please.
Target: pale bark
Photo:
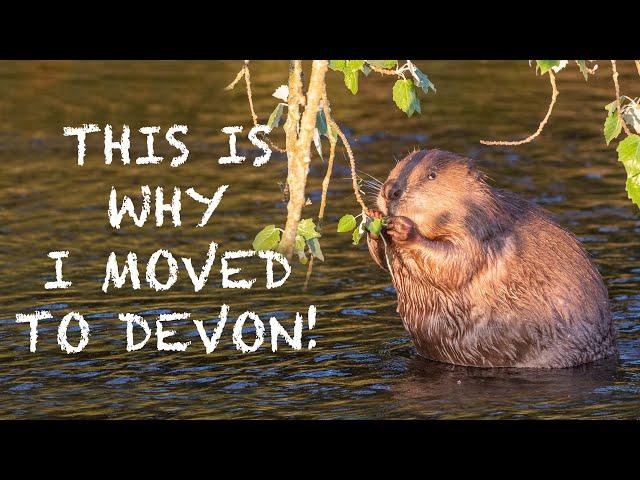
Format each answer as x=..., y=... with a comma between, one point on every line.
x=299, y=135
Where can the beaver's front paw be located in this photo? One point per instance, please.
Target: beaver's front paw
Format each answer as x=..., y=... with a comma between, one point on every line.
x=401, y=229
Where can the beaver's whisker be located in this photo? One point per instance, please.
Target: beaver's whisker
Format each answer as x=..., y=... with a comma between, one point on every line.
x=372, y=189
x=374, y=184
x=371, y=177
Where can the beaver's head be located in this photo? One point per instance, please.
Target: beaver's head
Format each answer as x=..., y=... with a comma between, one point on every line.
x=440, y=191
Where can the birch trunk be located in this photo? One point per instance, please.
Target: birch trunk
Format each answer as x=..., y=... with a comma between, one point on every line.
x=299, y=130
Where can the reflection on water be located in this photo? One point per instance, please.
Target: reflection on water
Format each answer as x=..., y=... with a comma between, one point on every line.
x=364, y=365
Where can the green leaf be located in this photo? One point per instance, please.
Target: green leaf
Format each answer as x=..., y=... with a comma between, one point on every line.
x=631, y=116
x=375, y=226
x=404, y=95
x=337, y=65
x=422, y=81
x=354, y=65
x=357, y=234
x=633, y=189
x=612, y=126
x=317, y=142
x=415, y=106
x=314, y=248
x=332, y=132
x=347, y=223
x=307, y=229
x=629, y=154
x=299, y=247
x=582, y=65
x=267, y=239
x=611, y=107
x=388, y=64
x=276, y=115
x=351, y=81
x=321, y=122
x=546, y=65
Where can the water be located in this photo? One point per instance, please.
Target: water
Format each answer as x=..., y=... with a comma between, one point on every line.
x=364, y=365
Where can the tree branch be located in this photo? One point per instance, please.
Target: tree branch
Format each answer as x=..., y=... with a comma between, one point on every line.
x=554, y=95
x=352, y=161
x=325, y=182
x=299, y=133
x=244, y=72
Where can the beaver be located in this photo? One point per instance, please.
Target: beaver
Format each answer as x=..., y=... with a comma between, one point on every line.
x=485, y=278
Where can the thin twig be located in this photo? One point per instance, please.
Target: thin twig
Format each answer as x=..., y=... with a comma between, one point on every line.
x=618, y=106
x=554, y=95
x=383, y=71
x=240, y=74
x=247, y=79
x=352, y=161
x=637, y=66
x=332, y=152
x=244, y=72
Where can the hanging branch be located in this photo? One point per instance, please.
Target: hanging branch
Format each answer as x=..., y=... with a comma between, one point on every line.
x=244, y=73
x=352, y=161
x=554, y=95
x=383, y=71
x=325, y=182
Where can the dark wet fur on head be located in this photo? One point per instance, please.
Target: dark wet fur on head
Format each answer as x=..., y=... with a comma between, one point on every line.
x=493, y=280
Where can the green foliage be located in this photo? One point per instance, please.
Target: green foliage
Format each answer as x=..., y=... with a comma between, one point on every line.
x=633, y=189
x=321, y=123
x=375, y=226
x=357, y=234
x=267, y=239
x=582, y=65
x=347, y=223
x=350, y=69
x=404, y=91
x=307, y=229
x=545, y=65
x=314, y=248
x=629, y=154
x=405, y=97
x=306, y=239
x=387, y=64
x=612, y=124
x=422, y=81
x=351, y=81
x=276, y=116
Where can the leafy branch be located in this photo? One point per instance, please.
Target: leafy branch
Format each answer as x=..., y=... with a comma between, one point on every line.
x=623, y=114
x=308, y=120
x=554, y=96
x=244, y=73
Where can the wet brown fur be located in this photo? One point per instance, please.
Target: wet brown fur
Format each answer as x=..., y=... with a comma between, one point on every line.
x=488, y=279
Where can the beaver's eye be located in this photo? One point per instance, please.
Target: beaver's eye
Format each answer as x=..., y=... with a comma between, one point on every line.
x=432, y=175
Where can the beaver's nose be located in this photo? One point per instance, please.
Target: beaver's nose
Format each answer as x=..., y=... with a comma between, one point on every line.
x=391, y=191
